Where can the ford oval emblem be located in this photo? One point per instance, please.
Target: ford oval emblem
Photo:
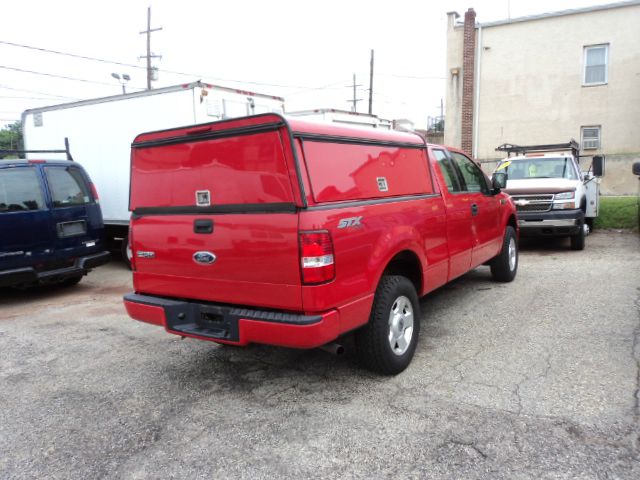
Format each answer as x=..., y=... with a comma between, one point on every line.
x=205, y=258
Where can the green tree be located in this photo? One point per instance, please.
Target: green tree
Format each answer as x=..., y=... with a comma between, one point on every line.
x=11, y=138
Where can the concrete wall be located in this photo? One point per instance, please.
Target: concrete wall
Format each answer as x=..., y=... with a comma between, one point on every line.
x=531, y=92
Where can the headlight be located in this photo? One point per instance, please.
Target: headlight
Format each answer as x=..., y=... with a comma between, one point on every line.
x=560, y=201
x=564, y=195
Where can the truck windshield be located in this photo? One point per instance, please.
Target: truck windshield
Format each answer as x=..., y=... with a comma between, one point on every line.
x=537, y=167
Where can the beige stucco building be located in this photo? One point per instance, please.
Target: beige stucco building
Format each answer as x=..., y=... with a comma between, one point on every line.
x=547, y=79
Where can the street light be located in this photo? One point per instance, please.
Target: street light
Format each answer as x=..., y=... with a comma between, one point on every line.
x=123, y=80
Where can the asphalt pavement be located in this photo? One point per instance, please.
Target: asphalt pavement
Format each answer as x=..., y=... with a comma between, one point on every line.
x=533, y=379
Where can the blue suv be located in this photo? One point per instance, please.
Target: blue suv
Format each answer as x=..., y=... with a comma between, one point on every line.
x=51, y=229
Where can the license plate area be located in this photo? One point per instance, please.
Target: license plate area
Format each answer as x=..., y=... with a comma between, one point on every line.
x=215, y=322
x=210, y=321
x=71, y=229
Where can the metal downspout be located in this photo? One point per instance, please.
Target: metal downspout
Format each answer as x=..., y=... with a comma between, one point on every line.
x=476, y=102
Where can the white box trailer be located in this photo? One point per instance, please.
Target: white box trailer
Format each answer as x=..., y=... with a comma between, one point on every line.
x=100, y=132
x=343, y=116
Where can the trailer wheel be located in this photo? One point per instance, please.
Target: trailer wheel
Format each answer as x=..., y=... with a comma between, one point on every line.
x=386, y=344
x=505, y=265
x=126, y=252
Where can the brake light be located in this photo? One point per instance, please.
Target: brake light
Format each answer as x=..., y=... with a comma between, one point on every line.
x=94, y=192
x=316, y=257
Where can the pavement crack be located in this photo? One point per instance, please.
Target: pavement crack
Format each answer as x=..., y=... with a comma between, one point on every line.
x=635, y=353
x=516, y=392
x=548, y=366
x=470, y=445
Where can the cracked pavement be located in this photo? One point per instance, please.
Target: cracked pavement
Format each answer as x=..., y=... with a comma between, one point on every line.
x=534, y=379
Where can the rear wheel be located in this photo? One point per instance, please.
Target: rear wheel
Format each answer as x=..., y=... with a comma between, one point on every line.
x=505, y=265
x=387, y=343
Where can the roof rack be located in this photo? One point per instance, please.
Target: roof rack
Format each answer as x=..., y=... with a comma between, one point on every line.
x=552, y=147
x=21, y=152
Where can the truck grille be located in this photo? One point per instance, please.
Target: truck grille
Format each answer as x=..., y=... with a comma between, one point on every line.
x=533, y=203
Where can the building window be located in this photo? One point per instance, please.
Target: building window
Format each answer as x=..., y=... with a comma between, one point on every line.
x=590, y=138
x=596, y=58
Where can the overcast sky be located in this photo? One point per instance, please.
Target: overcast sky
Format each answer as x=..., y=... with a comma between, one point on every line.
x=305, y=51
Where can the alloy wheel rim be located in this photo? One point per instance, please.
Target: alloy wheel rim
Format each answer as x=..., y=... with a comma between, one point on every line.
x=512, y=254
x=400, y=325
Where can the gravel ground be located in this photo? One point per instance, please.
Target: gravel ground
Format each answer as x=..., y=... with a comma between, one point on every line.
x=534, y=379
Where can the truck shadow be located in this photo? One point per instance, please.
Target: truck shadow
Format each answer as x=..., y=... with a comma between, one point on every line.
x=275, y=373
x=11, y=296
x=545, y=246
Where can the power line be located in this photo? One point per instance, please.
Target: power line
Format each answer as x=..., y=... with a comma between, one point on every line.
x=130, y=65
x=412, y=77
x=67, y=54
x=53, y=75
x=329, y=86
x=36, y=92
x=24, y=98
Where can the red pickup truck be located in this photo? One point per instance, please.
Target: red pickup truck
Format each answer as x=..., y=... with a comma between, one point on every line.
x=274, y=230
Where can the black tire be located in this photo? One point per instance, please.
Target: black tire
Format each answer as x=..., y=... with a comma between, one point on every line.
x=373, y=345
x=503, y=269
x=126, y=252
x=577, y=240
x=71, y=281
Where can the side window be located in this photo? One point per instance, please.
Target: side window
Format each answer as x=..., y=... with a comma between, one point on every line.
x=19, y=190
x=68, y=187
x=448, y=171
x=474, y=179
x=595, y=64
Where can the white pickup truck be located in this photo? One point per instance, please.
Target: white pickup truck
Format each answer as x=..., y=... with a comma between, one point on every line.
x=554, y=197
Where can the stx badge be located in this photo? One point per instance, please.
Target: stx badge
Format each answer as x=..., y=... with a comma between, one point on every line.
x=350, y=222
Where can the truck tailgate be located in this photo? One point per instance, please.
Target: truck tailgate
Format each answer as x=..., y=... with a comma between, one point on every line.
x=215, y=216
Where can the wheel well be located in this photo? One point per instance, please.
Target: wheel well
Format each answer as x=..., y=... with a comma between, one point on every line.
x=408, y=265
x=512, y=222
x=583, y=204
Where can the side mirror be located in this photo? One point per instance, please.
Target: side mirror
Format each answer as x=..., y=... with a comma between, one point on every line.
x=498, y=181
x=598, y=165
x=636, y=168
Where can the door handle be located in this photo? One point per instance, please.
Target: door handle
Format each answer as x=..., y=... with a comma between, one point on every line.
x=474, y=209
x=203, y=226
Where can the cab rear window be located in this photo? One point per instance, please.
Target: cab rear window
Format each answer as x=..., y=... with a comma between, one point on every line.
x=20, y=190
x=67, y=187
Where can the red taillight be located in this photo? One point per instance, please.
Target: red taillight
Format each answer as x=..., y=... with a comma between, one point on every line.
x=94, y=192
x=316, y=257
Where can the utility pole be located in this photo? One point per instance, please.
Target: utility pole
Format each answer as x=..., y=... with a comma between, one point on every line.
x=355, y=100
x=441, y=115
x=371, y=85
x=149, y=56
